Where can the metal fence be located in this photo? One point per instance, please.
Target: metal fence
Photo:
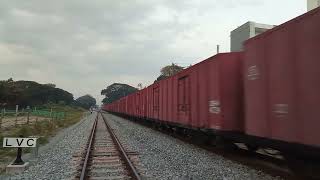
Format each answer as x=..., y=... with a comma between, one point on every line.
x=9, y=118
x=47, y=113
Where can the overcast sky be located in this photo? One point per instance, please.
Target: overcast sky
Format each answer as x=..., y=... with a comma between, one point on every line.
x=84, y=46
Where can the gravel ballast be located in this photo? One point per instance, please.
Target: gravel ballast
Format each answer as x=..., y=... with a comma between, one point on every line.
x=54, y=160
x=165, y=157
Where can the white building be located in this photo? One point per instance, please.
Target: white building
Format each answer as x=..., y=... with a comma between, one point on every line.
x=244, y=32
x=311, y=4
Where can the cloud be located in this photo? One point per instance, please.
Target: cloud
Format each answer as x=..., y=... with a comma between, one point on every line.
x=83, y=46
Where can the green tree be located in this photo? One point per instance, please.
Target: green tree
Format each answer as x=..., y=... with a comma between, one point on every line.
x=116, y=91
x=168, y=71
x=30, y=93
x=50, y=85
x=86, y=101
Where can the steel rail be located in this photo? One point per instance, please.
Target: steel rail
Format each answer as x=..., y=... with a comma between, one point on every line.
x=88, y=150
x=131, y=168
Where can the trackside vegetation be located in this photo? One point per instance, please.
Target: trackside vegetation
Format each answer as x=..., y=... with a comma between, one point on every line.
x=42, y=129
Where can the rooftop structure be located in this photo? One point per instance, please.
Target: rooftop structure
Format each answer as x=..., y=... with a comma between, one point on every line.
x=311, y=4
x=246, y=31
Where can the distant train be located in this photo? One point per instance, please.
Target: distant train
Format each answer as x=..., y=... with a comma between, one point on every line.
x=267, y=96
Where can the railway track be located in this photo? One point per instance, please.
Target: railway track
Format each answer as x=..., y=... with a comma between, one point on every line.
x=272, y=165
x=105, y=157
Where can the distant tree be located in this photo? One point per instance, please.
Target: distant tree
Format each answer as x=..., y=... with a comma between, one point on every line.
x=86, y=101
x=140, y=86
x=50, y=85
x=10, y=80
x=30, y=93
x=61, y=103
x=159, y=78
x=171, y=70
x=168, y=71
x=116, y=91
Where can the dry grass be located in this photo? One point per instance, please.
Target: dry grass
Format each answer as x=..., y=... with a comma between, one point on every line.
x=43, y=129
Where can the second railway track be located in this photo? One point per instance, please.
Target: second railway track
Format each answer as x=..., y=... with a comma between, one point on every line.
x=105, y=157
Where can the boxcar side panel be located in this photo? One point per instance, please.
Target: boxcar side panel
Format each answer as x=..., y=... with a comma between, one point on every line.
x=203, y=94
x=308, y=79
x=255, y=83
x=170, y=99
x=281, y=76
x=231, y=87
x=214, y=101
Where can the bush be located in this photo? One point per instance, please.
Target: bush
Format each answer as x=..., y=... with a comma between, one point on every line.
x=25, y=131
x=1, y=139
x=45, y=129
x=42, y=140
x=60, y=123
x=37, y=128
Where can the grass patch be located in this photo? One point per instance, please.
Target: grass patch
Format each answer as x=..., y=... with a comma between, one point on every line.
x=43, y=129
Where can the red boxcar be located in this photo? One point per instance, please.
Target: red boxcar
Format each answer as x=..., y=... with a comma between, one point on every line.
x=207, y=95
x=282, y=87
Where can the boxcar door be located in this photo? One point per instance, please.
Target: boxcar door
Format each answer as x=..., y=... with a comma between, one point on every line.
x=156, y=102
x=138, y=104
x=184, y=99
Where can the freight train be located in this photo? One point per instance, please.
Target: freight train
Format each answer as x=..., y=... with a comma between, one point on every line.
x=267, y=96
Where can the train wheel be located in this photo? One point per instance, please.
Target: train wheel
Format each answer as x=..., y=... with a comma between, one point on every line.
x=199, y=137
x=230, y=146
x=225, y=143
x=252, y=148
x=211, y=141
x=304, y=168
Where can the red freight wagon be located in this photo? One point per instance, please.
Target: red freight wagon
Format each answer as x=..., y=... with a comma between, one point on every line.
x=122, y=105
x=207, y=95
x=140, y=103
x=282, y=84
x=212, y=93
x=136, y=103
x=154, y=103
x=144, y=100
x=131, y=105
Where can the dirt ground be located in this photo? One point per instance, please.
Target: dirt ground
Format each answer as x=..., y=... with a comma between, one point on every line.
x=8, y=122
